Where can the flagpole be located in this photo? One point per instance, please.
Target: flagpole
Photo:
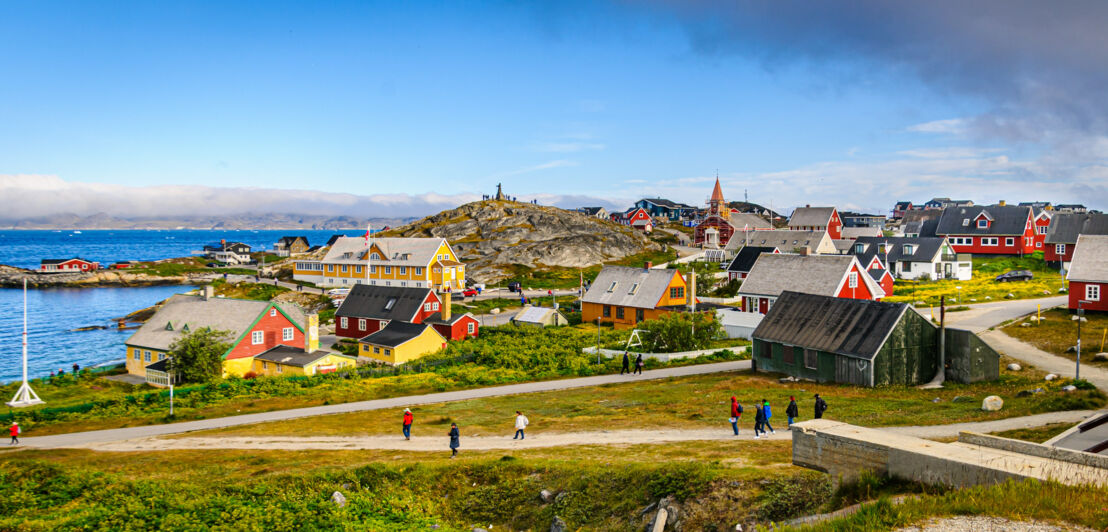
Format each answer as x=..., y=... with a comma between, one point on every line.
x=25, y=396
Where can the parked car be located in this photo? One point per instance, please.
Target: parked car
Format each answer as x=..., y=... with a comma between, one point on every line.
x=469, y=292
x=1014, y=275
x=515, y=287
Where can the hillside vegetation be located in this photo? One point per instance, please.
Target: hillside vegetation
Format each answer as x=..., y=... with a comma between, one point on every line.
x=496, y=238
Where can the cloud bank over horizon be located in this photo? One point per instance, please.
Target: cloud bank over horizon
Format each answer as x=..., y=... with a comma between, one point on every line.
x=32, y=197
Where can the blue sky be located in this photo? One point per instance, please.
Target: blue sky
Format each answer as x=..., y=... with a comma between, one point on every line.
x=568, y=102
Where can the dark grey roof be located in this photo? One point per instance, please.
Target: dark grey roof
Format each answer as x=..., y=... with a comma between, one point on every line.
x=876, y=273
x=1065, y=227
x=811, y=216
x=667, y=203
x=1090, y=259
x=59, y=261
x=921, y=215
x=813, y=274
x=901, y=205
x=396, y=333
x=331, y=241
x=851, y=327
x=289, y=240
x=371, y=301
x=1006, y=220
x=923, y=249
x=629, y=287
x=161, y=365
x=745, y=258
x=591, y=211
x=436, y=318
x=292, y=356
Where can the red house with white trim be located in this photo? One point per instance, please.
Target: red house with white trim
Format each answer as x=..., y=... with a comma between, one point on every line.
x=1061, y=237
x=989, y=230
x=369, y=308
x=1042, y=225
x=829, y=275
x=1088, y=274
x=75, y=264
x=808, y=218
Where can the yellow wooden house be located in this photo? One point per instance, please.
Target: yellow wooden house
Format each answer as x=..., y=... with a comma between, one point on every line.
x=400, y=342
x=405, y=262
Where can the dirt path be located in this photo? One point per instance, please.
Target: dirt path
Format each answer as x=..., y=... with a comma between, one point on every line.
x=1043, y=360
x=538, y=439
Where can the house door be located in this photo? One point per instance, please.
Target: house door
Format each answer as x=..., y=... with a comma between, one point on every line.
x=763, y=305
x=947, y=271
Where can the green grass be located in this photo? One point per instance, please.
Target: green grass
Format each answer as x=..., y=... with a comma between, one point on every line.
x=702, y=402
x=483, y=306
x=982, y=287
x=1057, y=332
x=246, y=290
x=1035, y=434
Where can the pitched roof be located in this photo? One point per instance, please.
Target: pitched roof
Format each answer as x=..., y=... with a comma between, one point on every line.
x=924, y=249
x=289, y=240
x=1006, y=220
x=745, y=258
x=220, y=314
x=59, y=261
x=741, y=220
x=1090, y=259
x=784, y=239
x=921, y=215
x=397, y=333
x=852, y=327
x=293, y=356
x=810, y=274
x=531, y=314
x=811, y=216
x=629, y=287
x=842, y=245
x=397, y=251
x=850, y=233
x=667, y=203
x=1065, y=227
x=591, y=211
x=717, y=193
x=901, y=205
x=334, y=238
x=436, y=318
x=382, y=302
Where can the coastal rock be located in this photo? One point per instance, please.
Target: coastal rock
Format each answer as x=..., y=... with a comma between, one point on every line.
x=992, y=403
x=493, y=237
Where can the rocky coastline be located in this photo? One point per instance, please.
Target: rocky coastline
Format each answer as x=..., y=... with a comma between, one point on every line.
x=11, y=277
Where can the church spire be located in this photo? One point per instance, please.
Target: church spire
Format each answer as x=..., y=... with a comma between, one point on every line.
x=717, y=205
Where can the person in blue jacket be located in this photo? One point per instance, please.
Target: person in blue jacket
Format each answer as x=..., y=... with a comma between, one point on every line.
x=768, y=414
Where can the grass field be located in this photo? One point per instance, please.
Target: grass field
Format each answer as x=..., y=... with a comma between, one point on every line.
x=1035, y=434
x=982, y=287
x=700, y=402
x=1057, y=332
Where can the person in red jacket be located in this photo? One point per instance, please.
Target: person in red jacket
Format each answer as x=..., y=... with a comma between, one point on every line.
x=736, y=413
x=15, y=433
x=407, y=424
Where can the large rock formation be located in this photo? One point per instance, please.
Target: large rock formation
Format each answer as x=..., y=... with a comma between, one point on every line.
x=491, y=235
x=11, y=276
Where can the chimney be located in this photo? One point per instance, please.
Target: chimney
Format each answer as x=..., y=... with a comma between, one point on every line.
x=209, y=292
x=311, y=338
x=1002, y=203
x=649, y=265
x=804, y=251
x=446, y=307
x=223, y=241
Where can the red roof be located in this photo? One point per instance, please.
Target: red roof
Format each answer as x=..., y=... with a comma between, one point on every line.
x=717, y=193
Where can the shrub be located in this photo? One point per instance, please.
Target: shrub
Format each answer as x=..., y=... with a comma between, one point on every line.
x=789, y=497
x=679, y=480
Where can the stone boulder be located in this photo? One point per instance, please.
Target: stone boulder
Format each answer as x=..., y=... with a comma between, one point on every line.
x=992, y=403
x=339, y=499
x=557, y=525
x=546, y=496
x=1050, y=377
x=1069, y=388
x=1103, y=357
x=1014, y=367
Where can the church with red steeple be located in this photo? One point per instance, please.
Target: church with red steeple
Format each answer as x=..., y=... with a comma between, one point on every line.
x=716, y=229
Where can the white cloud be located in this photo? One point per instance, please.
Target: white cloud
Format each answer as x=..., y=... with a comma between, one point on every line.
x=951, y=126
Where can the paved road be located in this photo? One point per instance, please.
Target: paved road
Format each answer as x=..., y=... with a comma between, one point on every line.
x=981, y=316
x=102, y=436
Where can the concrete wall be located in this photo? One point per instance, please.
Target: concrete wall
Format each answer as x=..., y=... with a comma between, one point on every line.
x=1035, y=449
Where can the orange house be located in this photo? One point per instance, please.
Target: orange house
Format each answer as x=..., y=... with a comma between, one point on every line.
x=625, y=296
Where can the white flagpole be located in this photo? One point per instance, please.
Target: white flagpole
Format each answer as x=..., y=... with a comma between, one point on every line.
x=25, y=396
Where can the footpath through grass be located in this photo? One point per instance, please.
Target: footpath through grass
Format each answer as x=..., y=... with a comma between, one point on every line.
x=1057, y=332
x=982, y=287
x=700, y=402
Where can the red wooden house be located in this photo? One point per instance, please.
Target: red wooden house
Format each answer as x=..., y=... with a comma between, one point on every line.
x=369, y=308
x=829, y=275
x=75, y=264
x=1088, y=273
x=808, y=218
x=1061, y=237
x=989, y=230
x=1042, y=225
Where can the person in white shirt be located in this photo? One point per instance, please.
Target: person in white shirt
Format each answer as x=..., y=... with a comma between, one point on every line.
x=521, y=423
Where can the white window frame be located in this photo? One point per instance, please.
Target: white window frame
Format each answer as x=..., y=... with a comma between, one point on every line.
x=265, y=365
x=403, y=270
x=1092, y=292
x=470, y=328
x=852, y=280
x=272, y=313
x=1009, y=241
x=388, y=270
x=343, y=322
x=287, y=334
x=257, y=337
x=361, y=324
x=982, y=223
x=1059, y=249
x=279, y=368
x=146, y=356
x=435, y=306
x=342, y=268
x=990, y=241
x=426, y=307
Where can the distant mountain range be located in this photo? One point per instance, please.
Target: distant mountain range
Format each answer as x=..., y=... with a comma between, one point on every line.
x=248, y=221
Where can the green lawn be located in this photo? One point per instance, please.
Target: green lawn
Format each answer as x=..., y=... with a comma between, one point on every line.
x=983, y=287
x=1057, y=332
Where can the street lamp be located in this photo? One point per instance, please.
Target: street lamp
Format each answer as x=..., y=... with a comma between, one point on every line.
x=1080, y=316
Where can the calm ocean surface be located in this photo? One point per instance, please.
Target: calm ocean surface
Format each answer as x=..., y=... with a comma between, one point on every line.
x=54, y=313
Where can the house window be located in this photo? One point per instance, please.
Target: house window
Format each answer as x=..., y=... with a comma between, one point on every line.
x=331, y=268
x=607, y=311
x=417, y=270
x=361, y=324
x=342, y=322
x=677, y=292
x=982, y=224
x=357, y=269
x=435, y=306
x=388, y=270
x=909, y=249
x=403, y=270
x=147, y=356
x=374, y=256
x=619, y=313
x=965, y=222
x=372, y=269
x=272, y=313
x=471, y=328
x=634, y=287
x=426, y=307
x=1092, y=292
x=257, y=337
x=639, y=315
x=265, y=365
x=859, y=248
x=612, y=288
x=387, y=352
x=1060, y=249
x=390, y=303
x=279, y=368
x=376, y=350
x=1041, y=229
x=852, y=281
x=989, y=241
x=788, y=354
x=286, y=334
x=811, y=359
x=342, y=268
x=1009, y=241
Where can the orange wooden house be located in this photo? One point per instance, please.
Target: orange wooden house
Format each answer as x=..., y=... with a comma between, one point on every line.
x=624, y=296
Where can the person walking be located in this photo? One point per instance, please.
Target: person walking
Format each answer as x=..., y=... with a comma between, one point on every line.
x=14, y=429
x=626, y=363
x=76, y=368
x=408, y=424
x=736, y=413
x=767, y=413
x=759, y=420
x=455, y=438
x=521, y=423
x=638, y=364
x=792, y=411
x=821, y=407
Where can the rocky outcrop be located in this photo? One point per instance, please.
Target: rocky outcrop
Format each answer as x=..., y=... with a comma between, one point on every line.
x=490, y=236
x=11, y=276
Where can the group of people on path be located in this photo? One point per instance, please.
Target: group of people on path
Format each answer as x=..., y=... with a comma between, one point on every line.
x=627, y=364
x=455, y=435
x=763, y=413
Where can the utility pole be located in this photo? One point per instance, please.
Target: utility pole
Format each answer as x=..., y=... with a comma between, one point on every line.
x=1080, y=317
